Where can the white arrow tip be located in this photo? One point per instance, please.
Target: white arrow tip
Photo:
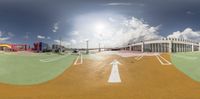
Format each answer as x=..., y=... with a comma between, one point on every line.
x=115, y=62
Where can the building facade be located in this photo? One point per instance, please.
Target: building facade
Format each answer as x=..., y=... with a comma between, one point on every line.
x=41, y=47
x=57, y=48
x=165, y=45
x=14, y=47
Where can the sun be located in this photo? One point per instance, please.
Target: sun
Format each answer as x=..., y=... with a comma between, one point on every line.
x=100, y=26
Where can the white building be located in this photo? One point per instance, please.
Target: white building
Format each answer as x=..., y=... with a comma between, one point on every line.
x=165, y=45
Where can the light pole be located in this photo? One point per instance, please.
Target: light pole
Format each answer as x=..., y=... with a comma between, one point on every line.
x=99, y=47
x=60, y=45
x=87, y=51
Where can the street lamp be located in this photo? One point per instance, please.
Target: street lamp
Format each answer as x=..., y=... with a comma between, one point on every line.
x=87, y=51
x=99, y=47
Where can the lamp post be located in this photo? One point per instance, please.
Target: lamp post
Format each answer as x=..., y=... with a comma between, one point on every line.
x=87, y=51
x=99, y=47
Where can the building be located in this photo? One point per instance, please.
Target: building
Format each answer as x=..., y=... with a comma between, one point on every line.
x=165, y=45
x=14, y=47
x=41, y=47
x=57, y=48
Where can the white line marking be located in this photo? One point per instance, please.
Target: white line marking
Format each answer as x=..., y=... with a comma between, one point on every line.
x=165, y=60
x=158, y=57
x=81, y=59
x=53, y=59
x=76, y=60
x=75, y=63
x=139, y=57
x=114, y=76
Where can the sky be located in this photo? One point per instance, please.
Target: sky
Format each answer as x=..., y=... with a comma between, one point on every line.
x=111, y=23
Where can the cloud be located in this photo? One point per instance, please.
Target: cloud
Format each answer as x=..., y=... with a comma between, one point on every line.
x=3, y=38
x=55, y=27
x=117, y=30
x=189, y=12
x=41, y=37
x=48, y=38
x=10, y=34
x=118, y=4
x=75, y=33
x=63, y=43
x=188, y=33
x=73, y=41
x=57, y=41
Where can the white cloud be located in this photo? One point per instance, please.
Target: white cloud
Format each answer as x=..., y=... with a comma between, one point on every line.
x=57, y=41
x=118, y=4
x=41, y=37
x=188, y=33
x=48, y=38
x=4, y=38
x=10, y=34
x=63, y=43
x=189, y=12
x=116, y=31
x=75, y=33
x=73, y=41
x=123, y=4
x=55, y=27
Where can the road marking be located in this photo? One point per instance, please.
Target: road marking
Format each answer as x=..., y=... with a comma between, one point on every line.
x=114, y=76
x=53, y=59
x=139, y=57
x=167, y=62
x=75, y=63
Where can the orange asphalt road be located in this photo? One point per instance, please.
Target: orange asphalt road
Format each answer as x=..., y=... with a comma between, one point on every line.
x=143, y=79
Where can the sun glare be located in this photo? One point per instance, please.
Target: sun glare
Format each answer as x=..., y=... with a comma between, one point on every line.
x=99, y=26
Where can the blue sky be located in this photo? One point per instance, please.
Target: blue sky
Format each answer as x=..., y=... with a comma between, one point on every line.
x=112, y=23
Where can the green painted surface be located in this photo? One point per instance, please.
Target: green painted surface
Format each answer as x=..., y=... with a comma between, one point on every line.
x=24, y=69
x=189, y=63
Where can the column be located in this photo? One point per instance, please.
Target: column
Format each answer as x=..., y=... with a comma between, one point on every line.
x=184, y=47
x=154, y=50
x=142, y=47
x=156, y=47
x=170, y=47
x=199, y=46
x=192, y=47
x=181, y=47
x=178, y=47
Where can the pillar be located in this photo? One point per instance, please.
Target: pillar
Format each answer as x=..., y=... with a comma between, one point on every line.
x=192, y=47
x=170, y=47
x=142, y=47
x=199, y=46
x=130, y=48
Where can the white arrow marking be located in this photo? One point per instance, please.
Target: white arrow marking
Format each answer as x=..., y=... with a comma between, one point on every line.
x=114, y=76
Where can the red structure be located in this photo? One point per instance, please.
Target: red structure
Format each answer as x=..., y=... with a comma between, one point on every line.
x=15, y=47
x=19, y=47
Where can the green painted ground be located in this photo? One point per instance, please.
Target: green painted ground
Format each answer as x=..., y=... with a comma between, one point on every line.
x=189, y=63
x=32, y=68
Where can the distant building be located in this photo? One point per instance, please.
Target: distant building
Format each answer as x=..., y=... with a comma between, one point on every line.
x=41, y=47
x=14, y=47
x=57, y=48
x=165, y=45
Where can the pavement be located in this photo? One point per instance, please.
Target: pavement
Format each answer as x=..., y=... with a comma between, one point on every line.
x=145, y=78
